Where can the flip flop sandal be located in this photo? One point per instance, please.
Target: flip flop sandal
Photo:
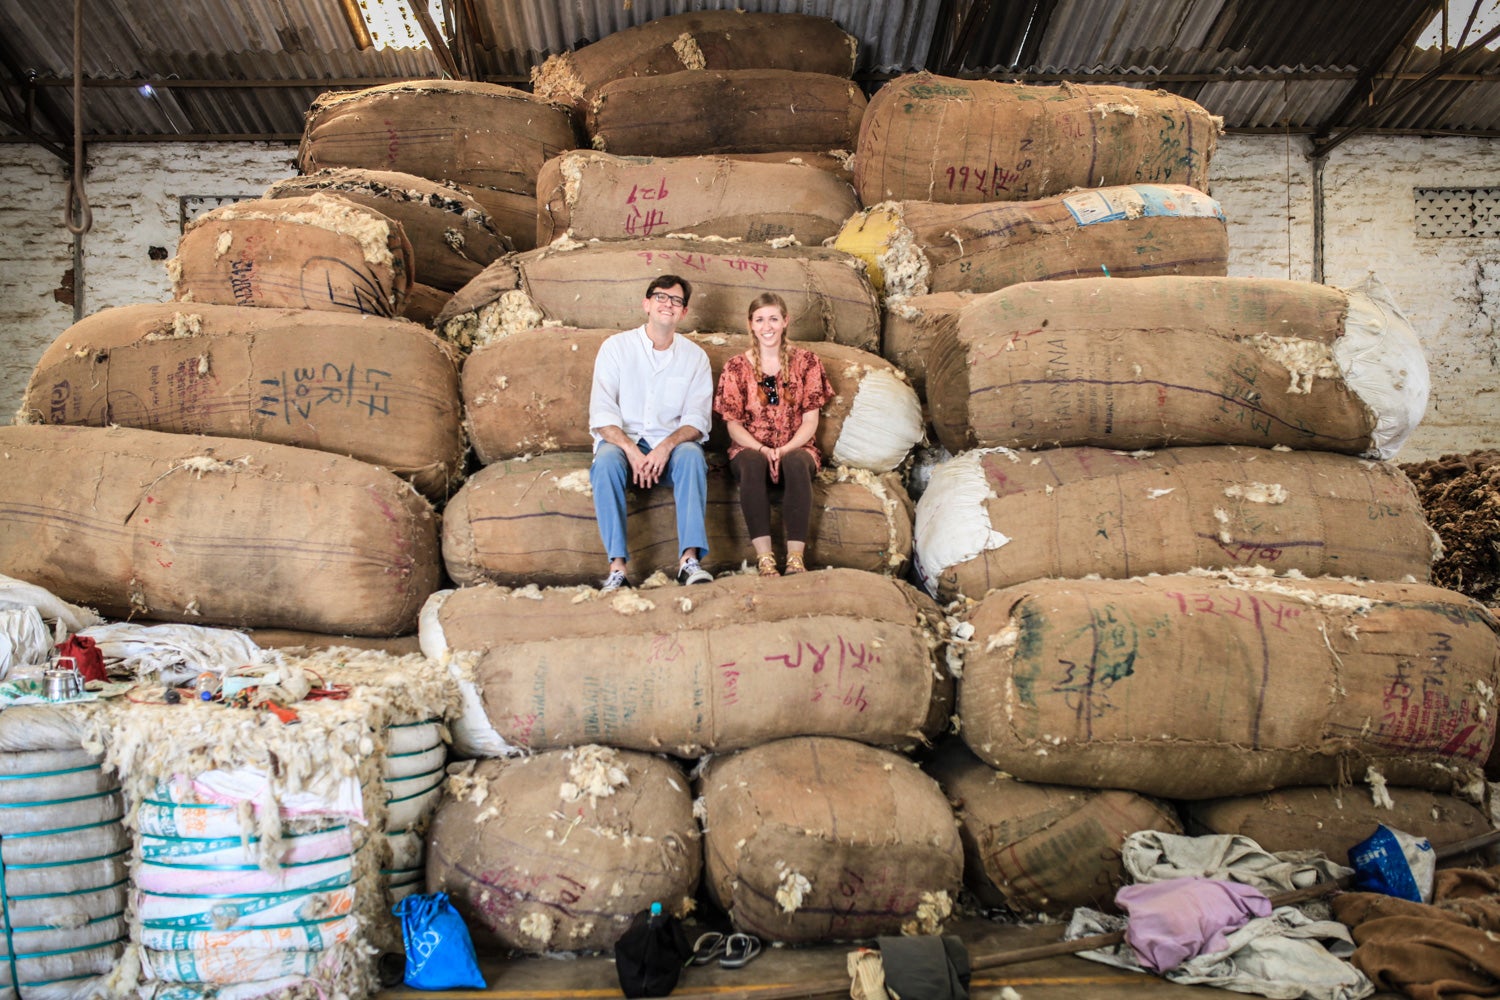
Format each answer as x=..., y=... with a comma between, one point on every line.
x=739, y=949
x=707, y=948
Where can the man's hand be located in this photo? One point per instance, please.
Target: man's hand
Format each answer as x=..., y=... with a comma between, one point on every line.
x=647, y=473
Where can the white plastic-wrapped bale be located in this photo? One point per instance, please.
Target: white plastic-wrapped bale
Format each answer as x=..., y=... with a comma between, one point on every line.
x=725, y=111
x=1128, y=231
x=935, y=138
x=816, y=839
x=451, y=236
x=383, y=391
x=64, y=851
x=415, y=755
x=602, y=285
x=1333, y=820
x=994, y=518
x=489, y=140
x=1204, y=686
x=532, y=521
x=529, y=393
x=695, y=40
x=1036, y=848
x=260, y=844
x=593, y=195
x=214, y=531
x=558, y=851
x=733, y=664
x=320, y=252
x=1104, y=362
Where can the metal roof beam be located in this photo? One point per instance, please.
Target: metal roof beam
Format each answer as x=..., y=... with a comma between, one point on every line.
x=1370, y=111
x=1363, y=85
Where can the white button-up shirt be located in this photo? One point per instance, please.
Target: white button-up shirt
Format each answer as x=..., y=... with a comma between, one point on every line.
x=650, y=393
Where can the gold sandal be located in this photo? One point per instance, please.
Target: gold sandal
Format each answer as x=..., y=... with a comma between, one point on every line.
x=766, y=564
x=794, y=563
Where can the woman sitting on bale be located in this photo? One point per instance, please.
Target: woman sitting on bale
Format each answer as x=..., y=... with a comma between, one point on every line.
x=769, y=398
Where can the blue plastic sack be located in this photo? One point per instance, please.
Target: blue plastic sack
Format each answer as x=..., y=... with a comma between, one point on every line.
x=439, y=951
x=1395, y=863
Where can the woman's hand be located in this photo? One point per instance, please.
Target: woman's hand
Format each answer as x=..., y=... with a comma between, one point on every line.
x=773, y=458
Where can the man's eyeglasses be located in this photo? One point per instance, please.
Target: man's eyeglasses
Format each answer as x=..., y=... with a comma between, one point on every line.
x=664, y=298
x=768, y=390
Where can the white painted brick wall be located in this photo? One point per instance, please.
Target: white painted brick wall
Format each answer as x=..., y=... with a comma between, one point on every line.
x=1448, y=288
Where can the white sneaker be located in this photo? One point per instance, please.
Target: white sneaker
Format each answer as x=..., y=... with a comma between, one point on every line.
x=615, y=581
x=691, y=572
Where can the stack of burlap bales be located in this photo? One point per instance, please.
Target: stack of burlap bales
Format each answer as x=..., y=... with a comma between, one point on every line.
x=1066, y=406
x=813, y=829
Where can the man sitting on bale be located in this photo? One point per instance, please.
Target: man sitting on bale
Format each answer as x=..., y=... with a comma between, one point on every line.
x=649, y=415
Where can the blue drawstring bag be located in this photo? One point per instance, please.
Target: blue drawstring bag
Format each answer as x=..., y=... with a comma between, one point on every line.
x=439, y=952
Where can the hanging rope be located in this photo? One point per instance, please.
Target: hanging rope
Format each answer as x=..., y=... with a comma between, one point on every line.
x=78, y=216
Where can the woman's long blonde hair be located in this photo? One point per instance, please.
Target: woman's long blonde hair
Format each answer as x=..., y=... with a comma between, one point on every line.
x=783, y=353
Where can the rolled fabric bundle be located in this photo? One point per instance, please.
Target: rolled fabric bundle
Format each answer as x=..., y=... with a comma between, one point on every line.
x=593, y=195
x=725, y=111
x=739, y=662
x=812, y=839
x=1128, y=231
x=521, y=522
x=528, y=394
x=908, y=327
x=935, y=138
x=320, y=252
x=172, y=526
x=488, y=139
x=1038, y=848
x=559, y=850
x=383, y=391
x=1102, y=362
x=1203, y=686
x=601, y=284
x=1333, y=820
x=994, y=517
x=697, y=40
x=451, y=235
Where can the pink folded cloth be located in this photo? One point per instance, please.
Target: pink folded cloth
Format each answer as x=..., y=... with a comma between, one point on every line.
x=1178, y=919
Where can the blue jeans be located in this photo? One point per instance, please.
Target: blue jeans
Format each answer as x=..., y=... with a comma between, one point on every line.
x=686, y=471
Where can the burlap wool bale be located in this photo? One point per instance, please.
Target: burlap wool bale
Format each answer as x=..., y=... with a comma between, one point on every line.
x=529, y=393
x=1041, y=848
x=451, y=236
x=1205, y=686
x=594, y=195
x=706, y=39
x=319, y=252
x=1178, y=361
x=935, y=138
x=558, y=851
x=917, y=247
x=602, y=284
x=383, y=391
x=424, y=304
x=816, y=839
x=725, y=111
x=838, y=162
x=995, y=518
x=520, y=522
x=488, y=139
x=734, y=664
x=1332, y=820
x=214, y=531
x=908, y=328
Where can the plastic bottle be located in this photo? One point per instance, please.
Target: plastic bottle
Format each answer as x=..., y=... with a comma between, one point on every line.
x=207, y=685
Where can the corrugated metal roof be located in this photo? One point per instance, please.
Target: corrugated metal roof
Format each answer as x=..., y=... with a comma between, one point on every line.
x=252, y=67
